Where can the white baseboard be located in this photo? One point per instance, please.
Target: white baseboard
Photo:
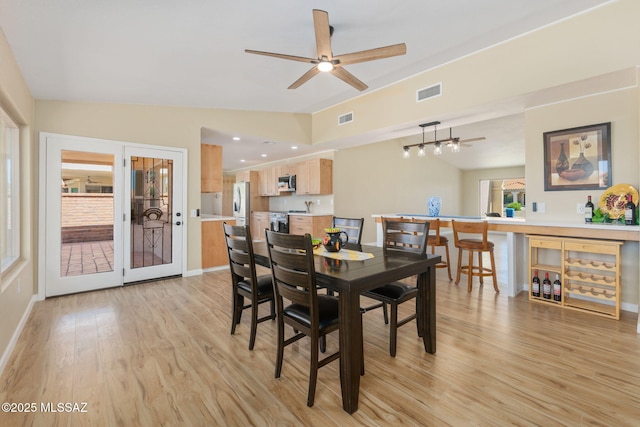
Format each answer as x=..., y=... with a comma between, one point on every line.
x=16, y=334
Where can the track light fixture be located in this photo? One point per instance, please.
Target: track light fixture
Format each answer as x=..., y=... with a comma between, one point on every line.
x=451, y=142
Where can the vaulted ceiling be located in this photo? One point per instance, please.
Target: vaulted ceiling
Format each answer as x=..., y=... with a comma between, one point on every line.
x=192, y=53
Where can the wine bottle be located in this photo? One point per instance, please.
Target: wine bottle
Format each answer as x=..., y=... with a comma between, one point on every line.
x=557, y=289
x=546, y=287
x=588, y=210
x=535, y=285
x=630, y=211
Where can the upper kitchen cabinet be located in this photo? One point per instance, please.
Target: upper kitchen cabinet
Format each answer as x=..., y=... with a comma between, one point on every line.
x=268, y=184
x=287, y=169
x=245, y=176
x=314, y=176
x=211, y=168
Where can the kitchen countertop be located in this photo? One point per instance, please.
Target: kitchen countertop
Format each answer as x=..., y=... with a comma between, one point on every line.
x=562, y=228
x=209, y=217
x=300, y=213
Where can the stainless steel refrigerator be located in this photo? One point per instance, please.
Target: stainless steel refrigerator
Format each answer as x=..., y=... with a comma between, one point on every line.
x=241, y=208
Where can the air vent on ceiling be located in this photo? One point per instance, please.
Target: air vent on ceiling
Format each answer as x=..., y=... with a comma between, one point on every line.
x=345, y=118
x=429, y=92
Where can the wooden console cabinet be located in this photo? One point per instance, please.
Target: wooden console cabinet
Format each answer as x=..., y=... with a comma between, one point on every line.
x=589, y=272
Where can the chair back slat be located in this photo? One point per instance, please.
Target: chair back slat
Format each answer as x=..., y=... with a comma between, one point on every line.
x=240, y=252
x=293, y=269
x=405, y=235
x=472, y=229
x=351, y=226
x=434, y=229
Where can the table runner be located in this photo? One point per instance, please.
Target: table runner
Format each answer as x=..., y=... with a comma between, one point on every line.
x=347, y=254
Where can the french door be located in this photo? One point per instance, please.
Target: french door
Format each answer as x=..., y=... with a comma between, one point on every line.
x=154, y=219
x=112, y=213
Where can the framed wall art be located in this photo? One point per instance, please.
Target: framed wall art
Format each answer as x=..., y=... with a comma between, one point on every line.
x=578, y=158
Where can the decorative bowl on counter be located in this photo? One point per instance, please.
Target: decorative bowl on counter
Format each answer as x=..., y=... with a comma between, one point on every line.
x=614, y=198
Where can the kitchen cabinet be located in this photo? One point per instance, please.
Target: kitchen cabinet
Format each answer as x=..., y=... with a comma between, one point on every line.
x=259, y=221
x=268, y=184
x=314, y=176
x=214, y=248
x=244, y=176
x=287, y=169
x=210, y=168
x=589, y=272
x=312, y=224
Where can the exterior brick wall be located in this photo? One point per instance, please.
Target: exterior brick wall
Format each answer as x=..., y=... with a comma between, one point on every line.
x=87, y=217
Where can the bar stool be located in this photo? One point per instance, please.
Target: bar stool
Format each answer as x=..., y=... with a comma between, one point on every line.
x=474, y=245
x=440, y=241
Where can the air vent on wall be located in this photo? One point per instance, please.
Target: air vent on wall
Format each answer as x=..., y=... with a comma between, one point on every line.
x=345, y=118
x=429, y=92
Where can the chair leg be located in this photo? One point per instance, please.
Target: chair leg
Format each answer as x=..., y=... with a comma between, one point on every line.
x=323, y=344
x=470, y=271
x=385, y=313
x=313, y=371
x=280, y=350
x=254, y=323
x=446, y=248
x=238, y=302
x=481, y=269
x=493, y=271
x=459, y=265
x=393, y=330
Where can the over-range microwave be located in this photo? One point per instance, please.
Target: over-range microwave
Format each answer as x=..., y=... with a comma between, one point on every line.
x=287, y=183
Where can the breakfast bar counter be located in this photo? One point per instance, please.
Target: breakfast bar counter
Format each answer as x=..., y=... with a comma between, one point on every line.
x=517, y=230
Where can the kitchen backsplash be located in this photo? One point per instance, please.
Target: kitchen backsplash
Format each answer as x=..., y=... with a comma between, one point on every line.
x=211, y=203
x=320, y=203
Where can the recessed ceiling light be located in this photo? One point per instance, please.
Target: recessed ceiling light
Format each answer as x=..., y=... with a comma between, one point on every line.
x=241, y=160
x=236, y=138
x=263, y=155
x=294, y=147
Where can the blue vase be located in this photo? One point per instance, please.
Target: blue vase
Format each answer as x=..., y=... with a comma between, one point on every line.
x=433, y=205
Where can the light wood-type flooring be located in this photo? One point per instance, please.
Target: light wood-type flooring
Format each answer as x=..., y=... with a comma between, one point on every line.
x=161, y=354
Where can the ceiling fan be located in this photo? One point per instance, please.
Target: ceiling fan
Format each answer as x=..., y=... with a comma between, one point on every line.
x=327, y=62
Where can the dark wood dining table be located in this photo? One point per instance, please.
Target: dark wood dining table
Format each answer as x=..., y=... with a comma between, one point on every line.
x=349, y=279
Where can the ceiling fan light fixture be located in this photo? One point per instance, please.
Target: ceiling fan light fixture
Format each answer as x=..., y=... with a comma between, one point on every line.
x=325, y=66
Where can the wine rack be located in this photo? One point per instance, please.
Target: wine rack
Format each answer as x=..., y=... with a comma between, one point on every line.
x=589, y=271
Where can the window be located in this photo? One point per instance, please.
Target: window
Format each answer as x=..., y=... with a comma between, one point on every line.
x=9, y=191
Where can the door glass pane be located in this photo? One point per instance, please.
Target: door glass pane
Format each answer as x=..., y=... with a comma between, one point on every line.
x=87, y=213
x=151, y=211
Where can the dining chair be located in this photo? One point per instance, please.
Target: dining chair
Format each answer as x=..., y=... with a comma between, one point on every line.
x=245, y=282
x=351, y=226
x=471, y=236
x=401, y=236
x=309, y=314
x=438, y=240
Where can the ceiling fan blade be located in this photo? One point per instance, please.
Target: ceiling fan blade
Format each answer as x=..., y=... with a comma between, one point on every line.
x=282, y=56
x=482, y=138
x=349, y=78
x=372, y=54
x=323, y=34
x=305, y=78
